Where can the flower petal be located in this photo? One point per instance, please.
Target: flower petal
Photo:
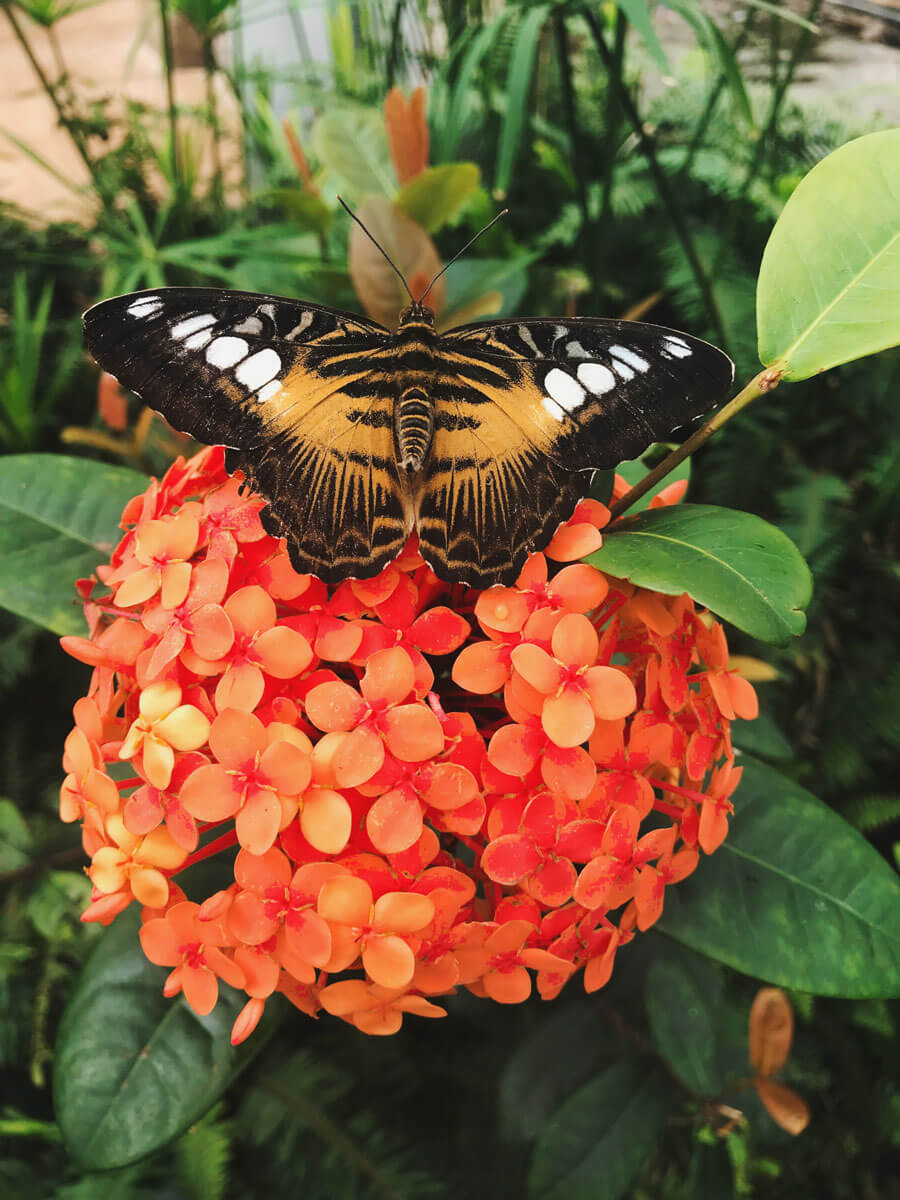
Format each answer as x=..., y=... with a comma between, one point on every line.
x=568, y=719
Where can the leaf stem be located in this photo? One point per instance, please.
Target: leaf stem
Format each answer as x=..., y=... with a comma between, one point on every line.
x=764, y=382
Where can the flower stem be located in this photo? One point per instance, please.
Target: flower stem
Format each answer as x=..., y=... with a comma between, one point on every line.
x=764, y=382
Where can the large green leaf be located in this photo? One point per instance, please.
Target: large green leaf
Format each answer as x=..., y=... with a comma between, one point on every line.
x=438, y=195
x=601, y=1137
x=132, y=1069
x=734, y=563
x=59, y=518
x=829, y=284
x=352, y=145
x=794, y=896
x=682, y=1000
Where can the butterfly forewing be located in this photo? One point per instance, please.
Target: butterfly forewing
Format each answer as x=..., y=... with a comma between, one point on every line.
x=307, y=399
x=279, y=383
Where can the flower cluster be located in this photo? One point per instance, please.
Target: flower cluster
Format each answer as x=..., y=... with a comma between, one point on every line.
x=421, y=787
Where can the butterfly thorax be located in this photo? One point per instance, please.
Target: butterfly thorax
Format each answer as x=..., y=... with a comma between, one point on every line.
x=414, y=408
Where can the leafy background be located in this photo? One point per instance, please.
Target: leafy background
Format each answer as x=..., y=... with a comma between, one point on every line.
x=637, y=186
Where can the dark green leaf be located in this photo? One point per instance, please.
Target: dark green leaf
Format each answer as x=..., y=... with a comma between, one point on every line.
x=763, y=738
x=638, y=15
x=737, y=565
x=133, y=1069
x=438, y=195
x=828, y=287
x=681, y=1005
x=59, y=518
x=564, y=1051
x=601, y=1137
x=794, y=896
x=710, y=1176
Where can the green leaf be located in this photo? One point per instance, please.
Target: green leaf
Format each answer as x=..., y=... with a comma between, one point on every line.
x=681, y=1003
x=762, y=738
x=561, y=1053
x=635, y=470
x=133, y=1069
x=737, y=565
x=15, y=837
x=437, y=195
x=59, y=518
x=518, y=87
x=794, y=896
x=710, y=1176
x=829, y=284
x=638, y=15
x=601, y=1137
x=352, y=145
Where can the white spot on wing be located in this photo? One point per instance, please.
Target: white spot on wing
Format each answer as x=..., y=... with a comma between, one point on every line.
x=226, y=351
x=677, y=346
x=525, y=336
x=303, y=324
x=623, y=354
x=552, y=408
x=576, y=350
x=596, y=378
x=145, y=306
x=252, y=325
x=198, y=340
x=191, y=325
x=566, y=391
x=267, y=392
x=258, y=369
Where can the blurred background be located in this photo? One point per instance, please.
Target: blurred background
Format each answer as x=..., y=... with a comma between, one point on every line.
x=644, y=152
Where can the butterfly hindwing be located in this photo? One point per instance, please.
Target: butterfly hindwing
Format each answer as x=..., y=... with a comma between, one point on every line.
x=284, y=385
x=526, y=410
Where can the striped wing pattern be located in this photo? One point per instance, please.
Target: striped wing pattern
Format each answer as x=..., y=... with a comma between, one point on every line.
x=281, y=384
x=527, y=410
x=498, y=426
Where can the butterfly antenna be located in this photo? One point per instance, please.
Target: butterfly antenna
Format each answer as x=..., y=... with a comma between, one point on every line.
x=380, y=249
x=469, y=243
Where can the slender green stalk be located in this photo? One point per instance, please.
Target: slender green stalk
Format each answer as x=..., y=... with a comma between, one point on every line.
x=614, y=89
x=763, y=144
x=576, y=141
x=663, y=186
x=169, y=66
x=764, y=382
x=718, y=87
x=212, y=107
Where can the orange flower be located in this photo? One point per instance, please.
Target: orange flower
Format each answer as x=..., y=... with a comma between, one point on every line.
x=181, y=940
x=428, y=787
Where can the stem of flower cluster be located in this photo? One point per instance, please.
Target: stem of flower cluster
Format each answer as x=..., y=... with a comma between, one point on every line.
x=764, y=382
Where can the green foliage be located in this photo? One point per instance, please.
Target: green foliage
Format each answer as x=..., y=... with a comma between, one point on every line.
x=59, y=518
x=132, y=1068
x=323, y=1111
x=845, y=238
x=789, y=865
x=731, y=562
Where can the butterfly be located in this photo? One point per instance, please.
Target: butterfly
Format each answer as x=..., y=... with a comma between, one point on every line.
x=483, y=438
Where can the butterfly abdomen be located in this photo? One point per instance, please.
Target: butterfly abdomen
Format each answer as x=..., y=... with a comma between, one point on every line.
x=414, y=426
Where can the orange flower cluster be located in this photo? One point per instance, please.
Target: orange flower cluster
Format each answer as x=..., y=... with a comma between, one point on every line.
x=420, y=787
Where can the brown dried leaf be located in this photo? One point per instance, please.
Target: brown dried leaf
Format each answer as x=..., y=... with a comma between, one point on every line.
x=783, y=1105
x=407, y=131
x=380, y=291
x=771, y=1031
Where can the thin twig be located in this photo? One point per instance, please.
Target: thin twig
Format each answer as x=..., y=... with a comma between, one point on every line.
x=61, y=858
x=764, y=382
